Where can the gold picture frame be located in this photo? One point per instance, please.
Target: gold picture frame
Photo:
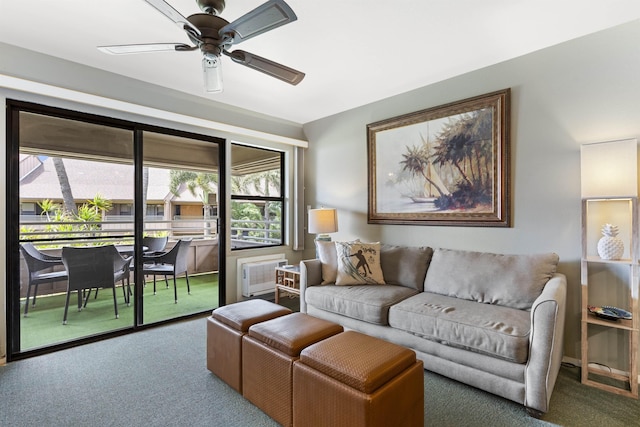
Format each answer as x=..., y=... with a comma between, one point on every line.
x=446, y=165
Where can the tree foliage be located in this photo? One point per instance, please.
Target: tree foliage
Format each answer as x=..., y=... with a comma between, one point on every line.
x=257, y=184
x=100, y=205
x=199, y=184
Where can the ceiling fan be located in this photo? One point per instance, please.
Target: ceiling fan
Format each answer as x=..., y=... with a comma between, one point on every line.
x=214, y=37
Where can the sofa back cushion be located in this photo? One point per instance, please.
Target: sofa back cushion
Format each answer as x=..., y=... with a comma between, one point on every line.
x=509, y=280
x=405, y=265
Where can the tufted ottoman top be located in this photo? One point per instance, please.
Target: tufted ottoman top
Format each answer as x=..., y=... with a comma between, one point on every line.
x=362, y=362
x=292, y=333
x=241, y=315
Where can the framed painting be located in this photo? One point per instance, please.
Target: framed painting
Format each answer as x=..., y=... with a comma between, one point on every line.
x=447, y=165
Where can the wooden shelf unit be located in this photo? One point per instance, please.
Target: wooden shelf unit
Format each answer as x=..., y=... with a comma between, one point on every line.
x=626, y=210
x=287, y=280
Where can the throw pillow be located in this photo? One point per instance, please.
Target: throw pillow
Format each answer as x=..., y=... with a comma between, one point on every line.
x=358, y=263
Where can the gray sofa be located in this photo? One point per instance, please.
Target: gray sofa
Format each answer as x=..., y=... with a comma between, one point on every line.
x=492, y=321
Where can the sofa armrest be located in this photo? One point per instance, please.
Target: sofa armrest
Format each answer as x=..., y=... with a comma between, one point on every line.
x=546, y=343
x=310, y=275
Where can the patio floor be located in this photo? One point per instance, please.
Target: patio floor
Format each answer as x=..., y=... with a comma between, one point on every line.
x=44, y=327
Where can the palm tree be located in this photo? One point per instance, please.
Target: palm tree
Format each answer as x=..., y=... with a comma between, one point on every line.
x=199, y=184
x=466, y=144
x=416, y=161
x=87, y=213
x=453, y=147
x=65, y=187
x=145, y=189
x=48, y=207
x=238, y=184
x=263, y=182
x=100, y=205
x=482, y=130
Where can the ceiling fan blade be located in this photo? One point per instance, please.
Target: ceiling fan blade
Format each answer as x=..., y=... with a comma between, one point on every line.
x=266, y=17
x=124, y=49
x=266, y=66
x=167, y=10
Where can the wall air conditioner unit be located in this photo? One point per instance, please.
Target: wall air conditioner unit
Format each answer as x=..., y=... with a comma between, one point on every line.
x=260, y=277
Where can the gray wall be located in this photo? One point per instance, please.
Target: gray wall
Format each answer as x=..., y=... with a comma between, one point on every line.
x=585, y=90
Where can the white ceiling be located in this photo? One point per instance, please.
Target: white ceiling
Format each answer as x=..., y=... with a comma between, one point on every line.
x=354, y=52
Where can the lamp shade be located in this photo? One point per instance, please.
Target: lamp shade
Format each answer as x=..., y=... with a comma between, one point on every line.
x=609, y=169
x=323, y=220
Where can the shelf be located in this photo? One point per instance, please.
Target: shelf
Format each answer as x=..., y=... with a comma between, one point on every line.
x=597, y=259
x=622, y=284
x=609, y=388
x=287, y=281
x=625, y=324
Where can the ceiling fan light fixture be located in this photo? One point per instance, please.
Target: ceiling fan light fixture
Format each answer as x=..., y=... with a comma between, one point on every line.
x=214, y=35
x=212, y=72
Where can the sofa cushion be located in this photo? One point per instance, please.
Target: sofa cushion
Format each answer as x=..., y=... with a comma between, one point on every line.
x=358, y=263
x=363, y=302
x=405, y=265
x=488, y=329
x=509, y=280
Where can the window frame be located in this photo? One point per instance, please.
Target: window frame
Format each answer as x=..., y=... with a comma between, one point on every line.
x=13, y=110
x=248, y=198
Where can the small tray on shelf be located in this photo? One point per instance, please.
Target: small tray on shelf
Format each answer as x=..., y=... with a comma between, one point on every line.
x=609, y=313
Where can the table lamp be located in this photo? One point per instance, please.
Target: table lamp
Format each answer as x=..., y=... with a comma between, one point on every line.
x=323, y=221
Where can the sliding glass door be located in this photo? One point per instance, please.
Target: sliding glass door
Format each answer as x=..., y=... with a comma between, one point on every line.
x=180, y=191
x=78, y=181
x=76, y=185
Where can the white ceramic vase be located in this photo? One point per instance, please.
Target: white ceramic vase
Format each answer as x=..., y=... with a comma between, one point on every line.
x=610, y=246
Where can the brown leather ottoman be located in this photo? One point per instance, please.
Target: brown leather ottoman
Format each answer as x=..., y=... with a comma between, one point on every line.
x=268, y=353
x=352, y=379
x=225, y=328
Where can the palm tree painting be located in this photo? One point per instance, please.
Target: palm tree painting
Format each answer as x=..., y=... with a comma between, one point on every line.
x=447, y=165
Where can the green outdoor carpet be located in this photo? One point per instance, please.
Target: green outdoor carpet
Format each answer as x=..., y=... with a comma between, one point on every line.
x=43, y=326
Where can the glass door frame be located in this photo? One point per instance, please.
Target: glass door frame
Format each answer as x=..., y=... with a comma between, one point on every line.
x=13, y=309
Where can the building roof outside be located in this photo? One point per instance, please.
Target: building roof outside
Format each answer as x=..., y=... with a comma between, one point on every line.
x=113, y=181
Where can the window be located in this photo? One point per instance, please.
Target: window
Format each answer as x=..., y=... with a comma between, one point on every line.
x=126, y=209
x=257, y=197
x=27, y=208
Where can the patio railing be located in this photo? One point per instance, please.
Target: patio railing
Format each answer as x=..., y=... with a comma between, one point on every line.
x=120, y=230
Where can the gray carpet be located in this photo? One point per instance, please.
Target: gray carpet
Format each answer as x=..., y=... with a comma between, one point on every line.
x=159, y=378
